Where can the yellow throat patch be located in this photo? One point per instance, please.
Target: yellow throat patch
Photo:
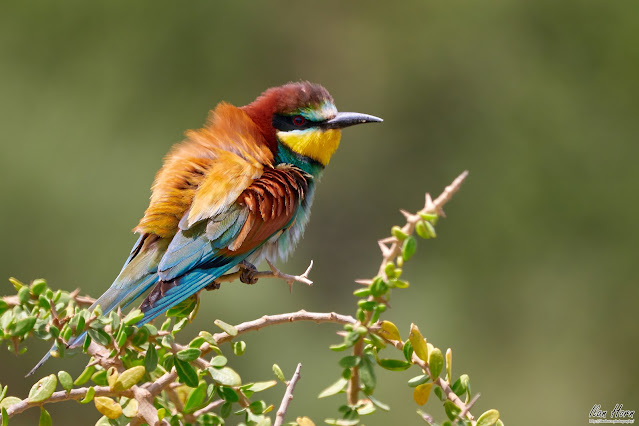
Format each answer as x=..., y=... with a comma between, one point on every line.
x=313, y=143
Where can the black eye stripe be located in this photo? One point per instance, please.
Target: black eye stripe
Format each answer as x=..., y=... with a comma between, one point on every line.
x=285, y=123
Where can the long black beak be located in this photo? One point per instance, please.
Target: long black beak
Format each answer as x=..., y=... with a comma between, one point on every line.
x=346, y=119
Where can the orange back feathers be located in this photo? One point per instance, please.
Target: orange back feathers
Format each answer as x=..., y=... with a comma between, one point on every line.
x=206, y=172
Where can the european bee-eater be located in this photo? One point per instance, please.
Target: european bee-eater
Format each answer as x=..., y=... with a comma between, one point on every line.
x=236, y=191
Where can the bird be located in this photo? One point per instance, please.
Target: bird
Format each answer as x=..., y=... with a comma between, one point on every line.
x=233, y=193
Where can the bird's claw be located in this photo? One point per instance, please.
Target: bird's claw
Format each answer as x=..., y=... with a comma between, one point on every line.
x=248, y=272
x=214, y=285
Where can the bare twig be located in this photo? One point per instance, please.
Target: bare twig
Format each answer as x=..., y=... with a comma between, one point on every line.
x=273, y=273
x=60, y=396
x=435, y=207
x=208, y=408
x=288, y=397
x=352, y=393
x=268, y=320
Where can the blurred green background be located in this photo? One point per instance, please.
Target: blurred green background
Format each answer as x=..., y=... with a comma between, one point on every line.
x=533, y=278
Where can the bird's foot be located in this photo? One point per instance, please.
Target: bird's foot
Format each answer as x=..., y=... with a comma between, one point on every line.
x=248, y=272
x=213, y=286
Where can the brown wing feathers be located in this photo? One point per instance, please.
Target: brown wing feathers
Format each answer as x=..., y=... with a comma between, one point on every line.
x=272, y=201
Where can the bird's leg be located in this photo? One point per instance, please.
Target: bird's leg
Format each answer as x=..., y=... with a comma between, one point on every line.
x=214, y=285
x=248, y=271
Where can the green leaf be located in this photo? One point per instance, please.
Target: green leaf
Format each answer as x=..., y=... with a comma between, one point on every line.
x=38, y=286
x=334, y=389
x=218, y=361
x=239, y=348
x=17, y=284
x=261, y=386
x=228, y=394
x=435, y=362
x=425, y=230
x=452, y=411
x=409, y=247
x=5, y=417
x=225, y=411
x=45, y=417
x=228, y=328
x=100, y=378
x=367, y=375
x=394, y=364
x=133, y=317
x=84, y=376
x=43, y=388
x=489, y=418
x=128, y=378
x=99, y=336
x=408, y=351
x=421, y=393
x=225, y=376
x=89, y=396
x=24, y=295
x=208, y=337
x=9, y=401
x=196, y=398
x=418, y=342
x=3, y=392
x=141, y=337
x=42, y=301
x=418, y=380
x=362, y=292
x=186, y=373
x=378, y=287
x=24, y=325
x=151, y=358
x=183, y=308
x=349, y=361
x=188, y=355
x=130, y=409
x=379, y=404
x=103, y=421
x=389, y=331
x=278, y=373
x=459, y=387
x=342, y=422
x=398, y=233
x=449, y=364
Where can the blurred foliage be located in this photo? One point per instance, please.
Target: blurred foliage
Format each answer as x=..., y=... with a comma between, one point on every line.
x=538, y=99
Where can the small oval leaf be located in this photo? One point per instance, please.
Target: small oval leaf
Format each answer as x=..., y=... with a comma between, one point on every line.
x=435, y=362
x=394, y=364
x=419, y=343
x=389, y=331
x=186, y=373
x=489, y=418
x=228, y=328
x=43, y=388
x=89, y=396
x=108, y=407
x=334, y=389
x=65, y=380
x=225, y=376
x=421, y=393
x=128, y=378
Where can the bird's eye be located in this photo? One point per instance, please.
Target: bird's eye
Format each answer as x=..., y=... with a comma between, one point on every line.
x=298, y=120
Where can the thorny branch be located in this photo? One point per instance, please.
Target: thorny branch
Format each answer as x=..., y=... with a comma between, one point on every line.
x=288, y=397
x=389, y=253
